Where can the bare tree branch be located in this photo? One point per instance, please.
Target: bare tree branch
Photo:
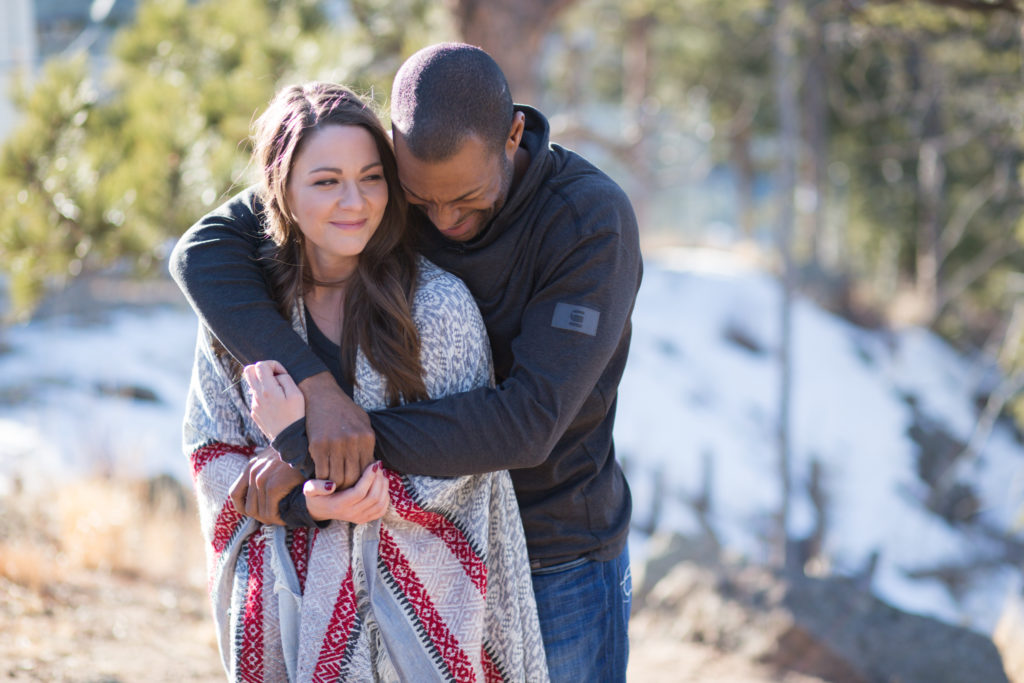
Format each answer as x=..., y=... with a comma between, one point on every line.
x=967, y=207
x=985, y=6
x=1010, y=6
x=969, y=273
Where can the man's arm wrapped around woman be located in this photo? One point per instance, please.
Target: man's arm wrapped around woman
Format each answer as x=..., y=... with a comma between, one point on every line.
x=438, y=587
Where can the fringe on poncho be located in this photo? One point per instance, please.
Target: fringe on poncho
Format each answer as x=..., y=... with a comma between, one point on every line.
x=438, y=589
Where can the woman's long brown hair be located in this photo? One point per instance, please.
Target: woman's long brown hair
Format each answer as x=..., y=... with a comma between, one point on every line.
x=378, y=296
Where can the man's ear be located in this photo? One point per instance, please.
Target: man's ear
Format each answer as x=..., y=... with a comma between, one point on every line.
x=515, y=134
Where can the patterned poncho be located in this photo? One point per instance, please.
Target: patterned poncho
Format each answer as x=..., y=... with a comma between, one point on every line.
x=438, y=589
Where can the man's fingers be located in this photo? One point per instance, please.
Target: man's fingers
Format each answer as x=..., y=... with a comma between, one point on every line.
x=350, y=474
x=320, y=451
x=321, y=460
x=364, y=449
x=263, y=494
x=239, y=490
x=251, y=494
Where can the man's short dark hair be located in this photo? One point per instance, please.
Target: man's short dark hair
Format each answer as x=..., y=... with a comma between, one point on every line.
x=445, y=93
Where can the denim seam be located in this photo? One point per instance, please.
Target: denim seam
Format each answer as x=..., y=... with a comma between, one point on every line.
x=556, y=568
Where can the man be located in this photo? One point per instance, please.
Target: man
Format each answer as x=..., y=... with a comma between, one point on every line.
x=548, y=245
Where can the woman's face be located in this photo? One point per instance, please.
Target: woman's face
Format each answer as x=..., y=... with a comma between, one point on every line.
x=337, y=194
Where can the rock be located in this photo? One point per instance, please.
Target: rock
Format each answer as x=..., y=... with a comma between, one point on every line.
x=882, y=643
x=666, y=551
x=825, y=628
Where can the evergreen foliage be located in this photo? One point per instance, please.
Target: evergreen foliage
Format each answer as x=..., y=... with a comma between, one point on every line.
x=108, y=165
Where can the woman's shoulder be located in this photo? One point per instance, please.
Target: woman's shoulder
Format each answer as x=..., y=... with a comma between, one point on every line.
x=443, y=307
x=436, y=286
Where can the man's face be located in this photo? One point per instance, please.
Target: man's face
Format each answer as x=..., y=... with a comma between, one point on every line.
x=461, y=194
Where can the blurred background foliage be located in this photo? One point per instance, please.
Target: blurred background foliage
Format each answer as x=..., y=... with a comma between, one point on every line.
x=907, y=202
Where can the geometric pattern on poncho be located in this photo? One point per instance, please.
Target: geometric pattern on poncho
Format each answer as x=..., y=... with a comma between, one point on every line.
x=437, y=589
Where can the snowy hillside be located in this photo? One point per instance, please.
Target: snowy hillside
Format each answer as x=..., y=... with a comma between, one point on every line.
x=697, y=404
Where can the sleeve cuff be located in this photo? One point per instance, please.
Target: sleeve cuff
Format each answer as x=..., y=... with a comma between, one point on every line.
x=294, y=512
x=302, y=368
x=293, y=445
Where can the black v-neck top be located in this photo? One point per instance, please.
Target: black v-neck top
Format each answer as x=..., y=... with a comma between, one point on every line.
x=292, y=443
x=328, y=352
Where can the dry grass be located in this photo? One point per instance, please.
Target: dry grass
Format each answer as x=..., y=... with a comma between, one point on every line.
x=104, y=580
x=144, y=529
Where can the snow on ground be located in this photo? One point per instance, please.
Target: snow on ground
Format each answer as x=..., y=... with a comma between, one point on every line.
x=63, y=407
x=694, y=406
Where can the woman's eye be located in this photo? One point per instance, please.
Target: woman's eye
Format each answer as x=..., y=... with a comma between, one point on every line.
x=325, y=182
x=373, y=178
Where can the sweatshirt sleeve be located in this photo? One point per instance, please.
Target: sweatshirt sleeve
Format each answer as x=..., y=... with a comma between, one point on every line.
x=571, y=328
x=215, y=265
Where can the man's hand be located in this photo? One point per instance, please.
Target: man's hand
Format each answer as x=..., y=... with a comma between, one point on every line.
x=340, y=436
x=260, y=487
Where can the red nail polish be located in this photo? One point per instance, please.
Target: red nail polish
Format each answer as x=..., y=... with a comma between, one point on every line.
x=377, y=466
x=328, y=485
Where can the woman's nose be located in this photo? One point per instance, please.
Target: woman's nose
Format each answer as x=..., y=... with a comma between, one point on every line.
x=349, y=196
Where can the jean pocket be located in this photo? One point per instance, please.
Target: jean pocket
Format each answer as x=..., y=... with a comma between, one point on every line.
x=561, y=567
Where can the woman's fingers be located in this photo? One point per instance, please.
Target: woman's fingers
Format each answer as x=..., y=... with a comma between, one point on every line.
x=318, y=487
x=266, y=378
x=366, y=501
x=275, y=367
x=265, y=375
x=375, y=503
x=379, y=495
x=286, y=382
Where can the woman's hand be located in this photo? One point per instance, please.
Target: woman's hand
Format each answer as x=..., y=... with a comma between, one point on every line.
x=276, y=401
x=366, y=501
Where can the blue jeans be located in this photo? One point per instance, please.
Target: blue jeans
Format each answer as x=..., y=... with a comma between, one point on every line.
x=584, y=618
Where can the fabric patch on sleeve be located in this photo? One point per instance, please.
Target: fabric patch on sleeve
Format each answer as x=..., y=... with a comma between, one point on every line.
x=576, y=318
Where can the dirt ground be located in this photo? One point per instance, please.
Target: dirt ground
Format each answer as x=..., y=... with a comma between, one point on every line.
x=98, y=627
x=103, y=627
x=116, y=594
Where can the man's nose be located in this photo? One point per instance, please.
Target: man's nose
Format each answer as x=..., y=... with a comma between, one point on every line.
x=444, y=217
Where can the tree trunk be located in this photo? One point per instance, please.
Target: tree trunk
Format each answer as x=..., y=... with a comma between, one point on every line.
x=638, y=131
x=743, y=163
x=510, y=31
x=815, y=139
x=931, y=172
x=786, y=102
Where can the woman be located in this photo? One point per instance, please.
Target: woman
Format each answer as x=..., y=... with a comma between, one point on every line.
x=438, y=588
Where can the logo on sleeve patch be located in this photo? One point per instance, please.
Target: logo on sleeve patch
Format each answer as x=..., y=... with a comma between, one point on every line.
x=576, y=318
